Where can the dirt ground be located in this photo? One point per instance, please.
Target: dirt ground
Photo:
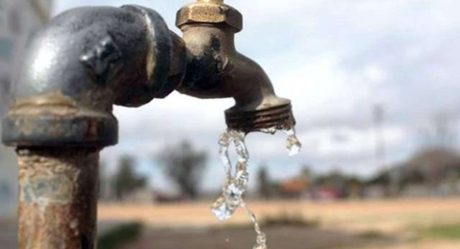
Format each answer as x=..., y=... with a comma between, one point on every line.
x=280, y=237
x=378, y=224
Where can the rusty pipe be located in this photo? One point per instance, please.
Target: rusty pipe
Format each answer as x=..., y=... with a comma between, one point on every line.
x=216, y=70
x=57, y=197
x=74, y=70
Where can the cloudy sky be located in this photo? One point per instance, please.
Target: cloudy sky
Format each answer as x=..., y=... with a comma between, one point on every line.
x=335, y=60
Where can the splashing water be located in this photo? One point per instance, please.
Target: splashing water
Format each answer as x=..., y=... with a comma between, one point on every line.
x=237, y=178
x=293, y=144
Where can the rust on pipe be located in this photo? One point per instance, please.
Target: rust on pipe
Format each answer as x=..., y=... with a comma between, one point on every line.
x=57, y=197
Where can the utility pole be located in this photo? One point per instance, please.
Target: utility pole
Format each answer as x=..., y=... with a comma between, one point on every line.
x=380, y=150
x=378, y=122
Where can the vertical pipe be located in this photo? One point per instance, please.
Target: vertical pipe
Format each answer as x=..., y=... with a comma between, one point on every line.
x=57, y=197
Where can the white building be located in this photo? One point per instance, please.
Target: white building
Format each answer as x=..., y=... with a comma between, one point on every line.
x=18, y=19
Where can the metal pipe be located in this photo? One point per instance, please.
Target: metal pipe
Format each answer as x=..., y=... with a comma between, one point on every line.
x=80, y=64
x=57, y=197
x=74, y=70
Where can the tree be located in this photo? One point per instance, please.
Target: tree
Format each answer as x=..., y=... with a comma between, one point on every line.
x=126, y=181
x=263, y=182
x=439, y=131
x=185, y=166
x=434, y=164
x=306, y=174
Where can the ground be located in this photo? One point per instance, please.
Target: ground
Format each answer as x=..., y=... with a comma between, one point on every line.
x=380, y=224
x=7, y=234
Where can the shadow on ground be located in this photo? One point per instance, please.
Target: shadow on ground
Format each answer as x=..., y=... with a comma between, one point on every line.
x=107, y=231
x=8, y=231
x=244, y=238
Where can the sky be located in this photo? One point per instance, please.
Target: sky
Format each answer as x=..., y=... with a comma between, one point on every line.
x=336, y=60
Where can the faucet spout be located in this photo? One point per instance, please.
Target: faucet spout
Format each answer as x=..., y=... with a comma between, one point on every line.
x=215, y=69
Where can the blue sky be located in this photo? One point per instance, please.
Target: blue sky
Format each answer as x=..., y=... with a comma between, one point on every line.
x=335, y=60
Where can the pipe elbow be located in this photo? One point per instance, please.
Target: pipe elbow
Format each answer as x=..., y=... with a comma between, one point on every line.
x=80, y=64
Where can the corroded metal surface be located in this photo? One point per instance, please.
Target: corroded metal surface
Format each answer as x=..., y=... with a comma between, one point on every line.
x=211, y=11
x=57, y=198
x=82, y=63
x=88, y=59
x=216, y=70
x=279, y=117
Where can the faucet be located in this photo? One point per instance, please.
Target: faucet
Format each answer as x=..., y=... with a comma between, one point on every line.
x=86, y=60
x=216, y=70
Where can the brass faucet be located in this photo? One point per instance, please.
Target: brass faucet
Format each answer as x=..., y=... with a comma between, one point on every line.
x=87, y=59
x=216, y=70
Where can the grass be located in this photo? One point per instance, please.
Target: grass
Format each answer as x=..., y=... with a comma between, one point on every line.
x=288, y=219
x=372, y=234
x=120, y=235
x=451, y=232
x=282, y=219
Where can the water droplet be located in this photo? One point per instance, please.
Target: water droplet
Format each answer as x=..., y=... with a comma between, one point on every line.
x=259, y=246
x=271, y=130
x=293, y=144
x=221, y=209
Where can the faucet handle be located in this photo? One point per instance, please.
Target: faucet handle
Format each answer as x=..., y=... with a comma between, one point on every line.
x=211, y=1
x=210, y=12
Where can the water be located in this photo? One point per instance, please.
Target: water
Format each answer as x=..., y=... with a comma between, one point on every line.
x=293, y=144
x=237, y=177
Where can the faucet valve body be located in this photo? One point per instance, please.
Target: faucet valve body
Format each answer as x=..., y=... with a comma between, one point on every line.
x=216, y=70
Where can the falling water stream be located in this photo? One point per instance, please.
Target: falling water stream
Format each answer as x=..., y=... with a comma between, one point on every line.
x=237, y=177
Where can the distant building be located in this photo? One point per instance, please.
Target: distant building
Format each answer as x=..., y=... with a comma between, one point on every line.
x=293, y=188
x=297, y=187
x=18, y=19
x=430, y=172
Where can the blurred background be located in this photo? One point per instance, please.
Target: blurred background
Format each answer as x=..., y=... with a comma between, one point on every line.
x=374, y=86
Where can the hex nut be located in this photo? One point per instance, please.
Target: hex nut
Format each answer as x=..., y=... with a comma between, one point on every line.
x=210, y=13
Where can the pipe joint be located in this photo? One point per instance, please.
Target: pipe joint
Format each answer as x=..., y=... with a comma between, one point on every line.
x=80, y=64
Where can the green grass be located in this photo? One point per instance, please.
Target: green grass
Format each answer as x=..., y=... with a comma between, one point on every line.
x=443, y=232
x=288, y=219
x=120, y=235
